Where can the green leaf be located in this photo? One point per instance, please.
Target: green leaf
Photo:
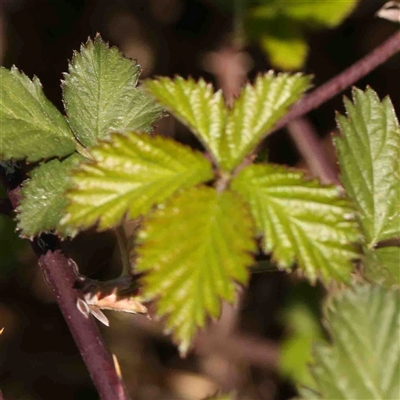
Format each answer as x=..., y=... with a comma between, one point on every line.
x=300, y=220
x=363, y=360
x=258, y=108
x=193, y=251
x=296, y=348
x=101, y=96
x=229, y=134
x=43, y=198
x=288, y=52
x=31, y=127
x=197, y=106
x=322, y=13
x=369, y=156
x=129, y=175
x=383, y=265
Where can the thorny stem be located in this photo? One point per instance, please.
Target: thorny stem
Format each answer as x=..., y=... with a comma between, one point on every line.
x=61, y=276
x=342, y=81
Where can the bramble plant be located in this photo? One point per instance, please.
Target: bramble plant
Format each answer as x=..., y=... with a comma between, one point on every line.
x=204, y=215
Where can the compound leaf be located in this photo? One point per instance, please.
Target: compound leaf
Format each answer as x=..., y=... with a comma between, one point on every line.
x=43, y=198
x=363, y=360
x=193, y=251
x=197, y=106
x=101, y=96
x=31, y=127
x=369, y=156
x=130, y=174
x=300, y=220
x=258, y=108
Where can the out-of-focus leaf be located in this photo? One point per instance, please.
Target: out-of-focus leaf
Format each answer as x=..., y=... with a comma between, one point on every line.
x=193, y=251
x=300, y=220
x=230, y=134
x=43, y=198
x=383, y=265
x=363, y=360
x=288, y=52
x=130, y=174
x=31, y=127
x=101, y=96
x=280, y=26
x=296, y=348
x=321, y=13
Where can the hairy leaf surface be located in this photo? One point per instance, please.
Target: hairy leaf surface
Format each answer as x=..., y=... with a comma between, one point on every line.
x=300, y=220
x=101, y=96
x=229, y=134
x=369, y=155
x=43, y=198
x=197, y=106
x=28, y=118
x=363, y=360
x=193, y=251
x=258, y=108
x=129, y=175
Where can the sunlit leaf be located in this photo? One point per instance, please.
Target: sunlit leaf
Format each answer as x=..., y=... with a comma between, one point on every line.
x=43, y=198
x=258, y=108
x=31, y=127
x=130, y=174
x=193, y=251
x=101, y=96
x=230, y=134
x=369, y=156
x=363, y=360
x=197, y=106
x=300, y=220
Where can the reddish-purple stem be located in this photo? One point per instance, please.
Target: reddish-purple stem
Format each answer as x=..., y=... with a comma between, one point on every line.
x=342, y=81
x=308, y=143
x=61, y=276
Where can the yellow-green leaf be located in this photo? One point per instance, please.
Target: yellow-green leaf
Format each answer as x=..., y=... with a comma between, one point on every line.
x=300, y=220
x=193, y=250
x=230, y=134
x=128, y=175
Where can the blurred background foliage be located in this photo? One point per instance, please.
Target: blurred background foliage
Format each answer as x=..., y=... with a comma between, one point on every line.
x=38, y=359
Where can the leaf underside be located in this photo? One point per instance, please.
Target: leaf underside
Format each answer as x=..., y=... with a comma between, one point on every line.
x=129, y=175
x=229, y=134
x=31, y=127
x=43, y=198
x=363, y=360
x=207, y=239
x=300, y=220
x=100, y=94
